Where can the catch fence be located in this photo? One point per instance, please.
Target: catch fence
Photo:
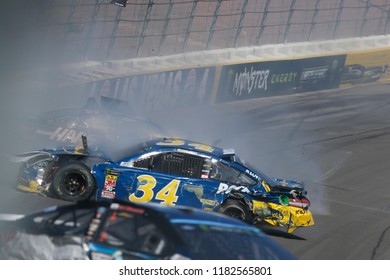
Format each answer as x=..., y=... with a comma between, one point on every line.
x=85, y=30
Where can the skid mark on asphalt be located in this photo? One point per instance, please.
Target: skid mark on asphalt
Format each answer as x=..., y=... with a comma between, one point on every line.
x=335, y=168
x=379, y=244
x=359, y=206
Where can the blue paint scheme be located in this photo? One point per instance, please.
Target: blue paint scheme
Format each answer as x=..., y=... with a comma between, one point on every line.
x=112, y=253
x=127, y=182
x=132, y=231
x=126, y=179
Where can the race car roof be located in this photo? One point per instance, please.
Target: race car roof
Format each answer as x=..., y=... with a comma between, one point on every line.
x=175, y=143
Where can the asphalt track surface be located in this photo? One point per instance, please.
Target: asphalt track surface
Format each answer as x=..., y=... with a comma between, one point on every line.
x=336, y=141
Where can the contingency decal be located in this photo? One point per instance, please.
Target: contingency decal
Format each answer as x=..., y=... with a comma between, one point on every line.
x=110, y=184
x=94, y=225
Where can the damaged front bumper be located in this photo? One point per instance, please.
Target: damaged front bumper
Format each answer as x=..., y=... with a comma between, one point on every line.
x=32, y=172
x=282, y=215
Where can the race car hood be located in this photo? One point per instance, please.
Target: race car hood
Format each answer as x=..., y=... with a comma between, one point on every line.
x=284, y=185
x=36, y=157
x=31, y=158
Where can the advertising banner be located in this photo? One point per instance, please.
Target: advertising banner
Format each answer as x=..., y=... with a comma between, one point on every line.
x=272, y=78
x=155, y=91
x=366, y=67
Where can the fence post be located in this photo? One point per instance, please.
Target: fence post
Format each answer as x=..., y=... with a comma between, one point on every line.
x=113, y=33
x=67, y=24
x=313, y=20
x=239, y=27
x=290, y=15
x=167, y=18
x=387, y=22
x=145, y=26
x=341, y=6
x=265, y=13
x=91, y=29
x=212, y=28
x=367, y=8
x=189, y=26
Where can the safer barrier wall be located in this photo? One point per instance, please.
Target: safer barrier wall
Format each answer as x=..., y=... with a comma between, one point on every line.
x=272, y=78
x=148, y=92
x=152, y=90
x=239, y=74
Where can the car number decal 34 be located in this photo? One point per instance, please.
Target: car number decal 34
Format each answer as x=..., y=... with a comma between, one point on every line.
x=145, y=191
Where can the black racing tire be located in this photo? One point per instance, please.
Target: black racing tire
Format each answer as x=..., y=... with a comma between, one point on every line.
x=73, y=182
x=236, y=209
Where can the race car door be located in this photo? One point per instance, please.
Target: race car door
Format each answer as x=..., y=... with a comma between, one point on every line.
x=172, y=178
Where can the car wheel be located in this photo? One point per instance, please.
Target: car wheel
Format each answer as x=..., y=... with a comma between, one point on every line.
x=236, y=209
x=73, y=182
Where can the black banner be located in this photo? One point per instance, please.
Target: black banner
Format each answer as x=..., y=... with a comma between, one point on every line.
x=262, y=79
x=156, y=91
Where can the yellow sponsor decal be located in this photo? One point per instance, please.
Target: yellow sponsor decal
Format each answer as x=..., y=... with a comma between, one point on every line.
x=201, y=147
x=179, y=142
x=266, y=186
x=281, y=215
x=366, y=66
x=369, y=58
x=111, y=177
x=171, y=142
x=32, y=187
x=208, y=202
x=197, y=190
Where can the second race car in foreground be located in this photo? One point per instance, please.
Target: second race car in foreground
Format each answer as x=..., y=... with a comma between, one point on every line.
x=120, y=230
x=171, y=172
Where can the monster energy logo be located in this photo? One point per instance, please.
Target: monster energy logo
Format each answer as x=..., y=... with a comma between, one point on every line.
x=250, y=80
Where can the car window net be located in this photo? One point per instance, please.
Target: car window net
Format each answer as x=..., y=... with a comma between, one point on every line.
x=133, y=232
x=179, y=164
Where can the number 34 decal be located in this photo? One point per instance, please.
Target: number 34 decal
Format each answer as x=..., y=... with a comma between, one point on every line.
x=145, y=191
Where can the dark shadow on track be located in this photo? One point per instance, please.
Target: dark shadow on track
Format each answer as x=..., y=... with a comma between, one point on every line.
x=278, y=232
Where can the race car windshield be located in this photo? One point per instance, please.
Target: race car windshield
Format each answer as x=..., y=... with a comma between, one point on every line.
x=209, y=240
x=270, y=181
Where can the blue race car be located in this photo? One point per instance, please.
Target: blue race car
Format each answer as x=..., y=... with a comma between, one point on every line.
x=171, y=172
x=124, y=230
